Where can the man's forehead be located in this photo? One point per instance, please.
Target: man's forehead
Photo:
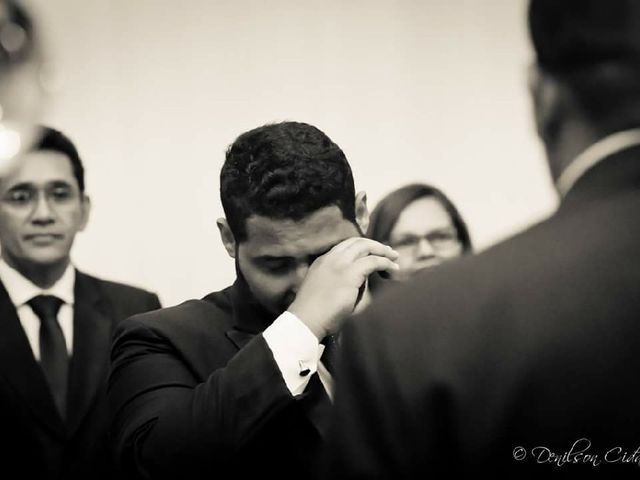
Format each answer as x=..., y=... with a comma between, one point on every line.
x=39, y=167
x=315, y=233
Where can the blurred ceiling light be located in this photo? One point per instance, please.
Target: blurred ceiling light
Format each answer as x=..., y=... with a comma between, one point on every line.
x=22, y=94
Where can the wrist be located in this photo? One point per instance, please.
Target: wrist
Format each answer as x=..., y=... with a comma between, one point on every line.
x=308, y=318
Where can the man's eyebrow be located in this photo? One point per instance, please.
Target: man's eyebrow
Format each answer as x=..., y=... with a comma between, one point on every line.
x=60, y=183
x=31, y=185
x=267, y=258
x=21, y=186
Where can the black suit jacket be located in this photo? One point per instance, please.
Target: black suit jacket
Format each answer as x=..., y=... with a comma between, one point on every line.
x=196, y=393
x=35, y=442
x=533, y=343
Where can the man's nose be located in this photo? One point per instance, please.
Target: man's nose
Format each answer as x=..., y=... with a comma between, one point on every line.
x=42, y=214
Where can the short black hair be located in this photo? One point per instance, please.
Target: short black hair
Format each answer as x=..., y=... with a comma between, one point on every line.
x=56, y=141
x=386, y=213
x=592, y=47
x=284, y=170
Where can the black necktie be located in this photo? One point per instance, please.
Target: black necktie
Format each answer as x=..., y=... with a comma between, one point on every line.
x=329, y=356
x=54, y=359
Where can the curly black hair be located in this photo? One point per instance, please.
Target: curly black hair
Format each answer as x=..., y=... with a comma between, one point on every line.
x=285, y=170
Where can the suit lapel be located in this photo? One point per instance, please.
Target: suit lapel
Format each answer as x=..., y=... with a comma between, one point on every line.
x=22, y=371
x=91, y=340
x=248, y=317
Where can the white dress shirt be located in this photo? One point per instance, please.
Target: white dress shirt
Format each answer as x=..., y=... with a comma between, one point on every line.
x=21, y=290
x=297, y=351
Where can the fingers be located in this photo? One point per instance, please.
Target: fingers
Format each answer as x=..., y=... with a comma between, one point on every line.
x=365, y=266
x=356, y=247
x=343, y=245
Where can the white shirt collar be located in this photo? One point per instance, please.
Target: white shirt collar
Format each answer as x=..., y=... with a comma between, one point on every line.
x=21, y=289
x=593, y=155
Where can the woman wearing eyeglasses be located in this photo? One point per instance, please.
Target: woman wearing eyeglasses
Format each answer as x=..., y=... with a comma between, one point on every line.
x=422, y=225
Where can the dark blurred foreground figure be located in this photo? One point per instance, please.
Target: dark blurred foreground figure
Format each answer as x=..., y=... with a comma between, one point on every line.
x=238, y=384
x=21, y=89
x=522, y=360
x=55, y=322
x=420, y=223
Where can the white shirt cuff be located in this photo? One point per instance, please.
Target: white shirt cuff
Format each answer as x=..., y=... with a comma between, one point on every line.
x=295, y=349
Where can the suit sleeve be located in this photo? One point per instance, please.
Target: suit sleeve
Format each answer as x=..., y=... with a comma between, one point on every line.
x=356, y=446
x=167, y=423
x=380, y=422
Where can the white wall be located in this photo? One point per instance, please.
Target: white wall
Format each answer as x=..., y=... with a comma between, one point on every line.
x=152, y=92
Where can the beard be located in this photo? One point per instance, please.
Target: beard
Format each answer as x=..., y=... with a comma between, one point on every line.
x=274, y=307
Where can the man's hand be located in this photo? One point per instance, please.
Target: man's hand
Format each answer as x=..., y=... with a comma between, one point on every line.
x=329, y=292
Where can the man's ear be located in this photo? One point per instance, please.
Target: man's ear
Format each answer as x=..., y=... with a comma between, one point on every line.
x=546, y=94
x=226, y=235
x=362, y=212
x=86, y=211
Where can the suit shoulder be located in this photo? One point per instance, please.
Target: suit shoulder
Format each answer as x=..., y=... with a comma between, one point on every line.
x=193, y=317
x=458, y=293
x=131, y=299
x=189, y=309
x=473, y=277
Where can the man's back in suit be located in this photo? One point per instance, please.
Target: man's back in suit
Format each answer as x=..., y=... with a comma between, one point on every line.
x=536, y=352
x=519, y=360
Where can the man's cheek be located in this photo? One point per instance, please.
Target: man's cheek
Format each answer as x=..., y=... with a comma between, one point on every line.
x=268, y=286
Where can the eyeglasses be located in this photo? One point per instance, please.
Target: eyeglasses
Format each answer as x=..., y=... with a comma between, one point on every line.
x=440, y=241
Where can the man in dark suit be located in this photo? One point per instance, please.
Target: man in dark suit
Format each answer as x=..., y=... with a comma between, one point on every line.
x=55, y=322
x=523, y=359
x=233, y=384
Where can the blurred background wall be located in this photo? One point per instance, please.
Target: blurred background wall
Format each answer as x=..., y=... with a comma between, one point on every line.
x=153, y=91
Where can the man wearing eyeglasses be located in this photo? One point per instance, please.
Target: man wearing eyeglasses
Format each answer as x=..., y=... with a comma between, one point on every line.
x=55, y=322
